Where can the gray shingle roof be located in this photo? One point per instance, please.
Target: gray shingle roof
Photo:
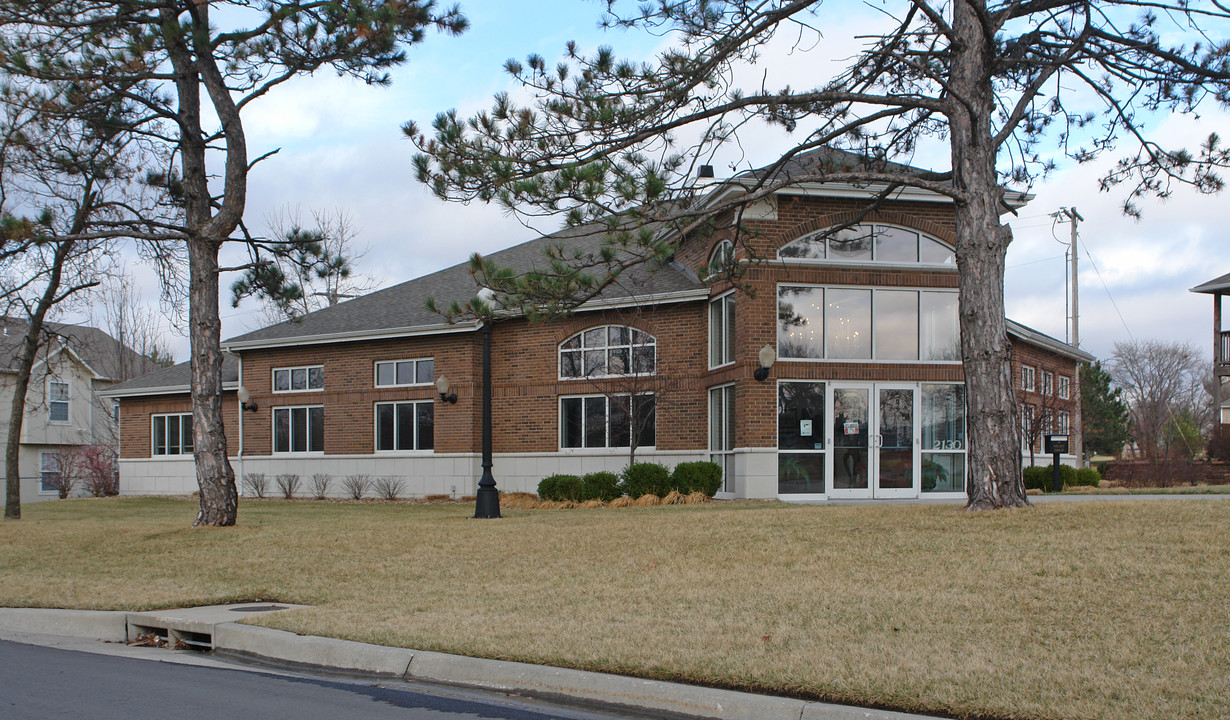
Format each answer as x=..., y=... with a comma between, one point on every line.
x=174, y=379
x=99, y=350
x=402, y=308
x=1221, y=284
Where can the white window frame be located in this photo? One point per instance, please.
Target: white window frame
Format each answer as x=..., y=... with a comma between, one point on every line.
x=290, y=441
x=52, y=402
x=1048, y=383
x=396, y=434
x=1065, y=387
x=166, y=418
x=580, y=351
x=290, y=373
x=881, y=263
x=1063, y=422
x=724, y=455
x=1028, y=418
x=872, y=289
x=1028, y=378
x=722, y=312
x=376, y=372
x=43, y=471
x=721, y=258
x=607, y=422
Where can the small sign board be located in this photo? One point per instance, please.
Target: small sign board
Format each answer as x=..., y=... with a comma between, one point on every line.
x=1056, y=444
x=852, y=428
x=805, y=428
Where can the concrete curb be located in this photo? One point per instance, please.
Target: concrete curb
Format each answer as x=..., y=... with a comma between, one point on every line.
x=280, y=646
x=108, y=626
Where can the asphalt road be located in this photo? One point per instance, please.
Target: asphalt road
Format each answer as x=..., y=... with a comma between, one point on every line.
x=41, y=683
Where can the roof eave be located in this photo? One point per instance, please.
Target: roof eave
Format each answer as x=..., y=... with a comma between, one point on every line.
x=163, y=390
x=351, y=336
x=1048, y=342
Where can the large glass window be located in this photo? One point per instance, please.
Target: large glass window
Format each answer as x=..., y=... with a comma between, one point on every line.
x=800, y=438
x=49, y=472
x=57, y=401
x=608, y=351
x=400, y=373
x=299, y=379
x=722, y=433
x=299, y=429
x=866, y=324
x=595, y=421
x=869, y=242
x=1027, y=378
x=405, y=425
x=722, y=330
x=943, y=438
x=1065, y=387
x=172, y=434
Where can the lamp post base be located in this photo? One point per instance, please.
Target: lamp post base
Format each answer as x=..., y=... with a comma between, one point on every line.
x=487, y=500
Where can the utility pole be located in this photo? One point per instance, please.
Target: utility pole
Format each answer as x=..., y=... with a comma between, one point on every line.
x=1075, y=218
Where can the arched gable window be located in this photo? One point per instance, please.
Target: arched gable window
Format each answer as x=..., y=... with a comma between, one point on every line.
x=721, y=258
x=608, y=351
x=869, y=242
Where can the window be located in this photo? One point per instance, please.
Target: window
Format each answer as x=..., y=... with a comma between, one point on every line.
x=299, y=379
x=722, y=433
x=1063, y=422
x=57, y=401
x=943, y=438
x=800, y=438
x=1027, y=426
x=1027, y=378
x=1048, y=383
x=299, y=429
x=49, y=472
x=115, y=410
x=598, y=421
x=870, y=242
x=608, y=351
x=836, y=323
x=1065, y=387
x=722, y=257
x=400, y=373
x=405, y=425
x=173, y=434
x=722, y=330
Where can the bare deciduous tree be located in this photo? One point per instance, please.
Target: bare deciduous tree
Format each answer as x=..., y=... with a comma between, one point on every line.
x=1162, y=382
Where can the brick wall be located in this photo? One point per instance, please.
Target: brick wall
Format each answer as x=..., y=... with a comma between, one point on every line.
x=1040, y=359
x=136, y=424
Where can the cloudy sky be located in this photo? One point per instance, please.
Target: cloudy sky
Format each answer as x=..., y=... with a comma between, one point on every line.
x=340, y=147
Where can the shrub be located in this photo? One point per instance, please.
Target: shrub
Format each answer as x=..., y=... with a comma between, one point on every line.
x=602, y=486
x=704, y=477
x=547, y=487
x=288, y=484
x=356, y=486
x=1040, y=477
x=320, y=485
x=389, y=488
x=256, y=484
x=96, y=465
x=646, y=478
x=560, y=487
x=1088, y=477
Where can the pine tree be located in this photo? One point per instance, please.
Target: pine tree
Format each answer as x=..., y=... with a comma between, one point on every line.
x=1105, y=420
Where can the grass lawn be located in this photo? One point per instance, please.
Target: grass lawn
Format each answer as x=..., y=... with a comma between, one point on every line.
x=1116, y=610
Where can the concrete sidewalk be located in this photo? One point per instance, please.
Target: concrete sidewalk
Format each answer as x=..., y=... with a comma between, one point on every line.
x=216, y=627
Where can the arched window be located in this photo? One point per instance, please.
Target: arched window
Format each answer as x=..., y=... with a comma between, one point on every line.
x=721, y=258
x=608, y=351
x=869, y=242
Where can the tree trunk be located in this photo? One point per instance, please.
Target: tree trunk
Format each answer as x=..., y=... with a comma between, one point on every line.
x=994, y=477
x=214, y=476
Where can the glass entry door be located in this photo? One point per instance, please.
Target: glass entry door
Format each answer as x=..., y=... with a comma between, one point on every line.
x=874, y=441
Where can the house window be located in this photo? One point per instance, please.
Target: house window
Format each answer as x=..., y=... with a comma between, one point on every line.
x=837, y=323
x=299, y=379
x=722, y=330
x=595, y=421
x=405, y=426
x=1048, y=383
x=115, y=410
x=869, y=242
x=402, y=373
x=49, y=472
x=173, y=434
x=1065, y=387
x=722, y=433
x=1027, y=427
x=722, y=257
x=57, y=401
x=608, y=351
x=943, y=438
x=1027, y=378
x=299, y=429
x=1063, y=422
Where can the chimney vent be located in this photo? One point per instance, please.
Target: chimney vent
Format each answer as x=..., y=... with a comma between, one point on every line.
x=706, y=171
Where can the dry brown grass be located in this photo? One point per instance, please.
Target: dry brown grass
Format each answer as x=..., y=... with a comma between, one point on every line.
x=1107, y=610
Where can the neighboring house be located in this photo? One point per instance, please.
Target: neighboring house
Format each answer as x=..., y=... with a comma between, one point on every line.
x=63, y=406
x=1219, y=288
x=865, y=399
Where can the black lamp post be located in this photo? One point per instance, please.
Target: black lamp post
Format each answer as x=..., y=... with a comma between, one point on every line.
x=487, y=500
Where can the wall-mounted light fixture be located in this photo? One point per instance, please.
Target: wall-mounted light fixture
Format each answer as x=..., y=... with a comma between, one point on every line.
x=767, y=356
x=442, y=388
x=244, y=397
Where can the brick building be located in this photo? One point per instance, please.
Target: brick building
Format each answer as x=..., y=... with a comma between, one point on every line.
x=863, y=396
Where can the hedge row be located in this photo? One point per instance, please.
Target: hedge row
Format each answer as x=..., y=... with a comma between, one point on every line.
x=636, y=480
x=1041, y=477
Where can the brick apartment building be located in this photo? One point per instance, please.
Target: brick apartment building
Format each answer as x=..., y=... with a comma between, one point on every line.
x=864, y=396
